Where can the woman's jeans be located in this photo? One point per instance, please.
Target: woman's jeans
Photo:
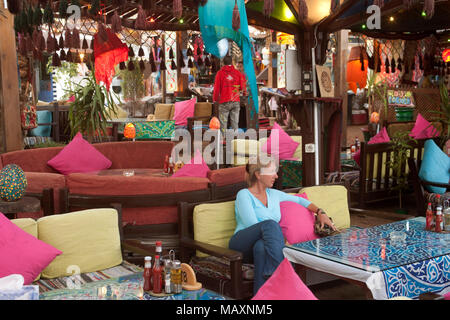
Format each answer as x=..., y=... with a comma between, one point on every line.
x=261, y=244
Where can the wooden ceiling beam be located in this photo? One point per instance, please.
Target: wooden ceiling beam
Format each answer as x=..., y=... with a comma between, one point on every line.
x=294, y=7
x=258, y=19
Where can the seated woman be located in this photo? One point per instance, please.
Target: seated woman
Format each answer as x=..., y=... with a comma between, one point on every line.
x=258, y=233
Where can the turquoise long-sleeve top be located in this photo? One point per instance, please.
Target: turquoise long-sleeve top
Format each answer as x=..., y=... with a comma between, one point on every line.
x=249, y=210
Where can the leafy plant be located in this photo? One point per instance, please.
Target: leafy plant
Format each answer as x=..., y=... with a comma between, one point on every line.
x=400, y=152
x=87, y=114
x=443, y=115
x=63, y=74
x=379, y=89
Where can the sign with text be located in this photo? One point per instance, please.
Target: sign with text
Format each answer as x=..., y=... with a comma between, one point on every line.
x=400, y=98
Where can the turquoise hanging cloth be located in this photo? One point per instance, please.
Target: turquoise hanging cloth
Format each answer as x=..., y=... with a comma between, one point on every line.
x=216, y=24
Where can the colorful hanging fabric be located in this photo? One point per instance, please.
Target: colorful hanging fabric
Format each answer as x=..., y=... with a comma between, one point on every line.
x=107, y=55
x=177, y=8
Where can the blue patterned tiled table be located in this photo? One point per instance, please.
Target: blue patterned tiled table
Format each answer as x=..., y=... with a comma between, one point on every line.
x=419, y=263
x=127, y=288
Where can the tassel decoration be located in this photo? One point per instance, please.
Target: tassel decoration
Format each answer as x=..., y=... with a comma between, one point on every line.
x=131, y=66
x=14, y=6
x=393, y=65
x=199, y=51
x=131, y=52
x=50, y=43
x=171, y=56
x=303, y=9
x=85, y=45
x=387, y=64
x=406, y=67
x=141, y=20
x=268, y=7
x=116, y=23
x=152, y=61
x=190, y=63
x=399, y=64
x=142, y=65
x=122, y=66
x=361, y=58
x=173, y=65
x=62, y=55
x=22, y=45
x=56, y=62
x=428, y=7
x=177, y=8
x=68, y=38
x=189, y=52
x=163, y=66
x=207, y=62
x=102, y=34
x=69, y=57
x=141, y=52
x=75, y=38
x=42, y=44
x=236, y=21
x=61, y=41
x=200, y=61
x=37, y=16
x=181, y=59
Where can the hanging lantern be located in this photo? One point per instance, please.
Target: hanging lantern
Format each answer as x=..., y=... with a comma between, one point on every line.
x=129, y=131
x=357, y=73
x=214, y=124
x=374, y=117
x=107, y=55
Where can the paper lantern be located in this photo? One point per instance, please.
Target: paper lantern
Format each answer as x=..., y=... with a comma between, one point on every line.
x=129, y=131
x=214, y=124
x=374, y=117
x=446, y=55
x=356, y=77
x=222, y=45
x=13, y=183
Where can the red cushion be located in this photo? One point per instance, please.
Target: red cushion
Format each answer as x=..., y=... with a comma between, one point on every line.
x=21, y=253
x=79, y=156
x=284, y=284
x=423, y=129
x=286, y=145
x=183, y=111
x=297, y=222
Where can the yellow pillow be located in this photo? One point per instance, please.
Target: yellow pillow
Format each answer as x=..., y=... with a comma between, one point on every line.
x=214, y=223
x=203, y=109
x=245, y=147
x=28, y=225
x=163, y=111
x=119, y=114
x=89, y=240
x=332, y=199
x=298, y=151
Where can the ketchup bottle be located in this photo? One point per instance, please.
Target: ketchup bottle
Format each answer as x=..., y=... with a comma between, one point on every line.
x=157, y=276
x=170, y=166
x=148, y=274
x=429, y=217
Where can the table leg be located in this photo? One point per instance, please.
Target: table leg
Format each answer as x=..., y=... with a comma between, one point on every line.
x=115, y=131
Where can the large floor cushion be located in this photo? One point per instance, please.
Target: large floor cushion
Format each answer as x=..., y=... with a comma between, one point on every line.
x=291, y=173
x=214, y=223
x=89, y=240
x=164, y=111
x=333, y=200
x=157, y=130
x=28, y=225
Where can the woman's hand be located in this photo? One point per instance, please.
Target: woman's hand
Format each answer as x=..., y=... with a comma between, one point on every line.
x=325, y=220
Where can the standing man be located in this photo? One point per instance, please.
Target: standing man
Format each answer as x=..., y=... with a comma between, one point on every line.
x=227, y=88
x=240, y=68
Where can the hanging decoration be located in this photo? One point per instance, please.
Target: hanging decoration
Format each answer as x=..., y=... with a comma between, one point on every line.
x=142, y=65
x=14, y=6
x=303, y=9
x=131, y=52
x=268, y=7
x=399, y=64
x=108, y=54
x=85, y=45
x=141, y=20
x=190, y=63
x=393, y=66
x=177, y=8
x=162, y=65
x=141, y=52
x=62, y=54
x=171, y=56
x=446, y=55
x=428, y=7
x=387, y=65
x=173, y=65
x=357, y=71
x=131, y=66
x=116, y=23
x=122, y=65
x=67, y=38
x=152, y=61
x=181, y=59
x=75, y=38
x=379, y=3
x=50, y=42
x=56, y=62
x=236, y=23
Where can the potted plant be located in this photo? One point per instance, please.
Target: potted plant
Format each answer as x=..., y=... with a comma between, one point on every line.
x=133, y=87
x=443, y=115
x=87, y=113
x=378, y=89
x=401, y=150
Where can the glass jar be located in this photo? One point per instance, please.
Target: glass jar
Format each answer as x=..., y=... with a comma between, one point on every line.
x=175, y=277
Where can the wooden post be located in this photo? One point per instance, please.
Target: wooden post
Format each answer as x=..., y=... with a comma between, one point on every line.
x=163, y=72
x=10, y=124
x=273, y=73
x=183, y=79
x=340, y=76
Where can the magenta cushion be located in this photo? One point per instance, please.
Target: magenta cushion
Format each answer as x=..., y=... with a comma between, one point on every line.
x=447, y=296
x=197, y=167
x=21, y=253
x=380, y=137
x=297, y=222
x=423, y=129
x=184, y=110
x=287, y=146
x=284, y=284
x=79, y=156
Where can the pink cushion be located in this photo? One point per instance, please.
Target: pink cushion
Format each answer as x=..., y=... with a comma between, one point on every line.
x=197, y=167
x=287, y=145
x=21, y=253
x=380, y=137
x=423, y=129
x=284, y=284
x=297, y=222
x=184, y=110
x=79, y=156
x=447, y=296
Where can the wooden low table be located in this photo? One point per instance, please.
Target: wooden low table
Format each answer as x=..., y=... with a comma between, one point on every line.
x=25, y=204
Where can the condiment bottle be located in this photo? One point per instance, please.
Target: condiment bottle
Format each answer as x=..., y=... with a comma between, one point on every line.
x=170, y=166
x=357, y=144
x=166, y=164
x=167, y=267
x=439, y=221
x=446, y=216
x=429, y=217
x=175, y=277
x=157, y=276
x=148, y=274
x=158, y=249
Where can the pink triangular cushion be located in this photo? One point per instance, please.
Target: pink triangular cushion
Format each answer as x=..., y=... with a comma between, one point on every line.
x=423, y=129
x=287, y=146
x=284, y=284
x=196, y=167
x=183, y=111
x=380, y=137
